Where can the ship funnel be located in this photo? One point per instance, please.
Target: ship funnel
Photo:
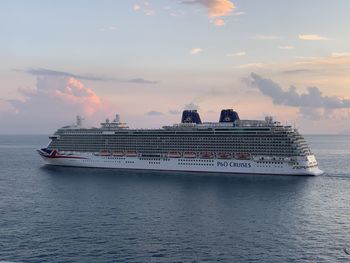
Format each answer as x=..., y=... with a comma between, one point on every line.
x=191, y=116
x=117, y=118
x=228, y=115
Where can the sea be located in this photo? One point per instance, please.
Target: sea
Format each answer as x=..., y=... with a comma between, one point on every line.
x=58, y=214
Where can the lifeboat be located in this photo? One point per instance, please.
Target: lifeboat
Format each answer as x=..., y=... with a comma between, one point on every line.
x=207, y=155
x=224, y=155
x=242, y=156
x=118, y=154
x=189, y=155
x=174, y=154
x=131, y=154
x=104, y=153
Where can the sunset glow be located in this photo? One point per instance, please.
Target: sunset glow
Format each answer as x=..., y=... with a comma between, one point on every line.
x=148, y=60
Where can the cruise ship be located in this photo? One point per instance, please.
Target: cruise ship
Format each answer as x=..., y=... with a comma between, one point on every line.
x=229, y=146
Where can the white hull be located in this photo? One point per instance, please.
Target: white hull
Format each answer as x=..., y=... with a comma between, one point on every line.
x=184, y=164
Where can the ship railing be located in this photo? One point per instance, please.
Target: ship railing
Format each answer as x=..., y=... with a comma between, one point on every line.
x=255, y=123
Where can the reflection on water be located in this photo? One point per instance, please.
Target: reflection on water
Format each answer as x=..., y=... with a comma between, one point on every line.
x=76, y=214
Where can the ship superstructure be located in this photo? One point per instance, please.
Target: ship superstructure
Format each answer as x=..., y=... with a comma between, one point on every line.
x=230, y=145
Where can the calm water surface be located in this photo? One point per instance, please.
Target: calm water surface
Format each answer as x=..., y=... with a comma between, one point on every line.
x=52, y=214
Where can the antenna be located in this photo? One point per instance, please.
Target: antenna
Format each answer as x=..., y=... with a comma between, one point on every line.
x=117, y=118
x=79, y=121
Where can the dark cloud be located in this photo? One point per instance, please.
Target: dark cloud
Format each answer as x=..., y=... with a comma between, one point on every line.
x=154, y=113
x=141, y=81
x=312, y=104
x=313, y=97
x=55, y=73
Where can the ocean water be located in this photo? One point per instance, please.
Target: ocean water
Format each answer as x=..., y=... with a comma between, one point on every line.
x=53, y=214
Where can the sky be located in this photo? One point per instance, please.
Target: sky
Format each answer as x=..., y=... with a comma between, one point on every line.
x=149, y=60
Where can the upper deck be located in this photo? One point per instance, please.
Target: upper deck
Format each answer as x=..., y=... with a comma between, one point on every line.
x=257, y=137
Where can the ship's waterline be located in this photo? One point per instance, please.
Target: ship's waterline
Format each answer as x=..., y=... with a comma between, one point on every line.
x=228, y=146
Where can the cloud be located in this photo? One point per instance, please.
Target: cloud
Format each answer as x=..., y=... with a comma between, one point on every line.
x=191, y=106
x=54, y=101
x=340, y=54
x=238, y=54
x=313, y=37
x=219, y=22
x=136, y=7
x=329, y=70
x=286, y=47
x=310, y=103
x=195, y=51
x=141, y=81
x=154, y=113
x=332, y=68
x=216, y=8
x=296, y=71
x=55, y=73
x=251, y=65
x=145, y=7
x=63, y=90
x=239, y=13
x=335, y=59
x=149, y=12
x=265, y=37
x=76, y=93
x=7, y=107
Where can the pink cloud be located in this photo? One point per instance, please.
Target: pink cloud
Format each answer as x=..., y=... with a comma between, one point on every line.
x=146, y=8
x=219, y=22
x=216, y=9
x=76, y=93
x=54, y=102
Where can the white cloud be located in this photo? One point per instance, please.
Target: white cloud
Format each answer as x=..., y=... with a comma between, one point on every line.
x=238, y=54
x=136, y=7
x=195, y=51
x=286, y=47
x=241, y=13
x=340, y=54
x=313, y=37
x=145, y=7
x=333, y=60
x=251, y=65
x=149, y=12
